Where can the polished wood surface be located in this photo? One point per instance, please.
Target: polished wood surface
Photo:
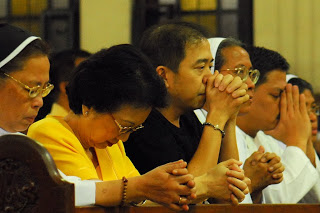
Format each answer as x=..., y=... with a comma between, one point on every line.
x=29, y=180
x=245, y=208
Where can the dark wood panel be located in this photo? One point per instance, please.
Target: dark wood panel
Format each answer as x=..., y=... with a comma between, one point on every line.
x=264, y=208
x=29, y=180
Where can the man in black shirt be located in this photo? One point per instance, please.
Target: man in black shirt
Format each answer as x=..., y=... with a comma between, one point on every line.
x=161, y=141
x=183, y=59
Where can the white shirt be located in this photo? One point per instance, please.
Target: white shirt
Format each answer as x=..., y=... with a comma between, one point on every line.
x=300, y=178
x=85, y=190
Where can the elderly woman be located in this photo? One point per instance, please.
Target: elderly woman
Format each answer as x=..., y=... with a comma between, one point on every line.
x=110, y=95
x=24, y=76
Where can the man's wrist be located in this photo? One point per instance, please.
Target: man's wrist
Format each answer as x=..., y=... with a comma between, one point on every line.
x=217, y=118
x=215, y=127
x=202, y=187
x=297, y=143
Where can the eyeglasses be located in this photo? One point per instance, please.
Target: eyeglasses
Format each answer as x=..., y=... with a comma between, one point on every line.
x=125, y=129
x=315, y=109
x=34, y=91
x=243, y=72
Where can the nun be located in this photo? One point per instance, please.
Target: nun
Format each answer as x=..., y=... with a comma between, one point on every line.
x=24, y=78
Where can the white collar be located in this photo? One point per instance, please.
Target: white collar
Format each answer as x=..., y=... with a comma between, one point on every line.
x=4, y=132
x=201, y=115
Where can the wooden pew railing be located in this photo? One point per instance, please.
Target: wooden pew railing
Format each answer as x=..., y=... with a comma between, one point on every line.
x=30, y=182
x=216, y=208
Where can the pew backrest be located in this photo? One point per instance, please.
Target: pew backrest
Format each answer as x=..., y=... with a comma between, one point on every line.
x=29, y=179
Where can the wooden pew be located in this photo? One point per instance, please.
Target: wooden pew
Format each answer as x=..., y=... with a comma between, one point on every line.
x=217, y=208
x=29, y=180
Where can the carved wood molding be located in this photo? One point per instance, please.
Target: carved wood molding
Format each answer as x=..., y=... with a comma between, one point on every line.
x=17, y=186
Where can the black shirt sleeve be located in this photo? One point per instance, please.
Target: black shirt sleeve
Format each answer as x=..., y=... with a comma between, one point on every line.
x=160, y=142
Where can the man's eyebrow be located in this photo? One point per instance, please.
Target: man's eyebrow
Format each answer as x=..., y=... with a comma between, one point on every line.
x=203, y=60
x=244, y=66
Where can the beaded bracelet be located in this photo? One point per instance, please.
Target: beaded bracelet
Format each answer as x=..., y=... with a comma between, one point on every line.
x=124, y=192
x=215, y=127
x=124, y=195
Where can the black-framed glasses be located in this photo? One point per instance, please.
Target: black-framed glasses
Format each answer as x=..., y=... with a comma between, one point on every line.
x=243, y=72
x=126, y=129
x=34, y=91
x=315, y=109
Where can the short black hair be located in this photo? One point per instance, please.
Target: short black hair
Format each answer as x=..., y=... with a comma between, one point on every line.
x=62, y=66
x=200, y=28
x=165, y=44
x=265, y=61
x=114, y=77
x=35, y=48
x=219, y=59
x=302, y=84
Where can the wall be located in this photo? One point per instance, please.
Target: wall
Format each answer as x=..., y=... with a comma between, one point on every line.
x=292, y=28
x=288, y=26
x=104, y=23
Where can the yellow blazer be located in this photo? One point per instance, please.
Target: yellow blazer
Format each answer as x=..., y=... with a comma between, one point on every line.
x=70, y=156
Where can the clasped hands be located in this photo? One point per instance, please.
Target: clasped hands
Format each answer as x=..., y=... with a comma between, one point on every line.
x=263, y=169
x=226, y=182
x=172, y=186
x=225, y=94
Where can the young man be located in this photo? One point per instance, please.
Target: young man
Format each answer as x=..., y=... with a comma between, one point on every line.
x=313, y=111
x=232, y=58
x=289, y=123
x=183, y=59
